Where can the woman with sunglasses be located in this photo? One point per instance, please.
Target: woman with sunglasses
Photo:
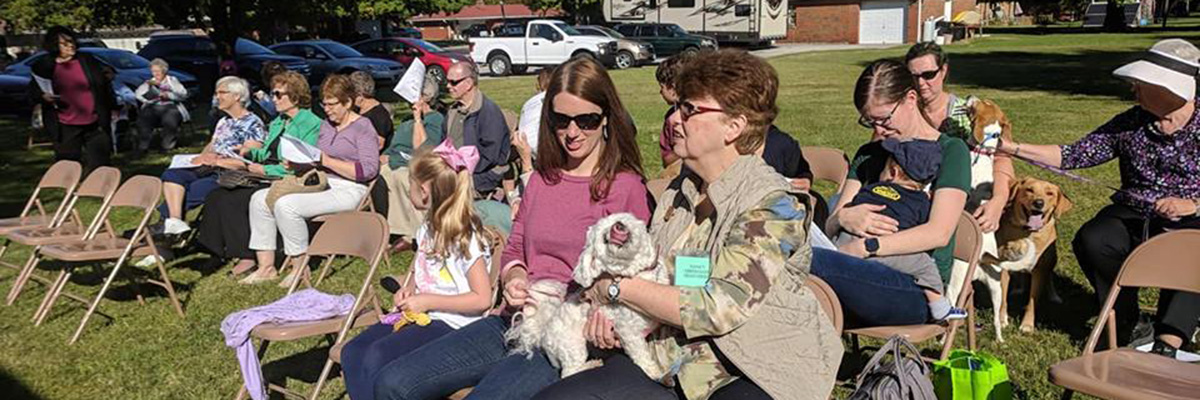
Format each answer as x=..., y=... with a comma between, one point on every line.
x=350, y=158
x=929, y=66
x=872, y=294
x=225, y=226
x=732, y=211
x=588, y=168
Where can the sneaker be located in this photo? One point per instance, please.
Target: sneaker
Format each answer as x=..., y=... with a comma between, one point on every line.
x=175, y=226
x=148, y=261
x=955, y=313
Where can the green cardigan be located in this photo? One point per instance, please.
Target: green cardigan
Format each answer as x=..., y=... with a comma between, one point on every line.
x=304, y=126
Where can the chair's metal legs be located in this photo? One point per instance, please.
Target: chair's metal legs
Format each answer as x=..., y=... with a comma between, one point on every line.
x=22, y=278
x=99, y=296
x=971, y=322
x=321, y=379
x=262, y=352
x=48, y=300
x=166, y=280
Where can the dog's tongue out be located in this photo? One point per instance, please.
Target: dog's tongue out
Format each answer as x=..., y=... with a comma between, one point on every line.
x=618, y=234
x=1036, y=222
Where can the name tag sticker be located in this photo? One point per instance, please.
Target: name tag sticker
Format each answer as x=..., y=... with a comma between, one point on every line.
x=691, y=271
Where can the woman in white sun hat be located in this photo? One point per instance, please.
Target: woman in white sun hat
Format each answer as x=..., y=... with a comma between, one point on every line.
x=1157, y=144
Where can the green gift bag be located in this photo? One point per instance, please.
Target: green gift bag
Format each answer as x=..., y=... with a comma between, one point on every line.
x=967, y=375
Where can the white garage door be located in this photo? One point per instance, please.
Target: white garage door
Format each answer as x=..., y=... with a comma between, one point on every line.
x=881, y=21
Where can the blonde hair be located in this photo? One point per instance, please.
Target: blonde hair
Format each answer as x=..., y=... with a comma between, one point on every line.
x=451, y=214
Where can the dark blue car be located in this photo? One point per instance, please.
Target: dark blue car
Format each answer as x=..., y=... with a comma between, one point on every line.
x=197, y=55
x=130, y=68
x=329, y=57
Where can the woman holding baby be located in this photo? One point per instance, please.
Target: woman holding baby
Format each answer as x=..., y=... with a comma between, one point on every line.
x=588, y=167
x=748, y=328
x=873, y=293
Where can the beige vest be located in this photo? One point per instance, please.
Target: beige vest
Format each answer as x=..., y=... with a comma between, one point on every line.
x=789, y=347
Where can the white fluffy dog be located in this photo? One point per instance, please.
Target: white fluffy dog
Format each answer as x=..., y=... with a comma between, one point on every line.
x=618, y=245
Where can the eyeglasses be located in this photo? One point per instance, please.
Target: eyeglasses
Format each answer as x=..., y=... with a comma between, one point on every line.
x=885, y=122
x=454, y=82
x=585, y=122
x=278, y=94
x=927, y=75
x=688, y=110
x=331, y=103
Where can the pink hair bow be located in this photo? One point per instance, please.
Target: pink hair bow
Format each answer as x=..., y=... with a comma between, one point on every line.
x=463, y=158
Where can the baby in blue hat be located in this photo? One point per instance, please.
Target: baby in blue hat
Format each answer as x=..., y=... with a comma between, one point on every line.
x=902, y=189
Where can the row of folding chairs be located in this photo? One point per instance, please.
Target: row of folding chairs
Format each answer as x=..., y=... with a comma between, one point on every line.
x=63, y=235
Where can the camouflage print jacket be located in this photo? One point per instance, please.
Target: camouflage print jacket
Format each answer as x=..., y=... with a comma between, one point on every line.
x=958, y=119
x=755, y=308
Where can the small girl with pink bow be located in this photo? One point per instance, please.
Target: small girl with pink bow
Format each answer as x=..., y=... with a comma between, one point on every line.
x=450, y=279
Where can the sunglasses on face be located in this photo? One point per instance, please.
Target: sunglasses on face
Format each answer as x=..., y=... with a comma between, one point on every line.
x=454, y=82
x=927, y=75
x=278, y=94
x=884, y=122
x=585, y=122
x=688, y=110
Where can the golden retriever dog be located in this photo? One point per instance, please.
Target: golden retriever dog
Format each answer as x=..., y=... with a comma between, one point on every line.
x=1027, y=230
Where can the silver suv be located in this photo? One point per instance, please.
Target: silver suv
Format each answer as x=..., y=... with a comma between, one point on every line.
x=630, y=52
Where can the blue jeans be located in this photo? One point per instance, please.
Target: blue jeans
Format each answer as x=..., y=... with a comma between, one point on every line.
x=371, y=350
x=196, y=187
x=871, y=293
x=474, y=355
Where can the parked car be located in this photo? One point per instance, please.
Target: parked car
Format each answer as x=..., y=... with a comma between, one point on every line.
x=197, y=55
x=629, y=52
x=408, y=32
x=91, y=42
x=131, y=69
x=403, y=50
x=544, y=42
x=329, y=57
x=668, y=39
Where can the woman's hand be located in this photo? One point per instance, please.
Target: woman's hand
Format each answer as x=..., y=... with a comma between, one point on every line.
x=384, y=158
x=516, y=288
x=415, y=303
x=865, y=220
x=49, y=98
x=419, y=109
x=856, y=247
x=229, y=163
x=1174, y=208
x=245, y=147
x=256, y=168
x=598, y=330
x=205, y=159
x=989, y=215
x=801, y=184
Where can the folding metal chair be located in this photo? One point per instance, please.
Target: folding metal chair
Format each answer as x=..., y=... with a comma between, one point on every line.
x=101, y=184
x=1167, y=261
x=357, y=234
x=828, y=299
x=828, y=164
x=968, y=242
x=141, y=192
x=63, y=175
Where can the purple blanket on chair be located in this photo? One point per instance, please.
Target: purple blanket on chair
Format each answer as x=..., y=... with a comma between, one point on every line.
x=305, y=305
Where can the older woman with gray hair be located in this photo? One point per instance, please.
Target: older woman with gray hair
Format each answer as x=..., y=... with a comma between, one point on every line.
x=424, y=129
x=162, y=107
x=185, y=188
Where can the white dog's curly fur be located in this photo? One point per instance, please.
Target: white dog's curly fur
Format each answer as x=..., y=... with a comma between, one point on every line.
x=619, y=245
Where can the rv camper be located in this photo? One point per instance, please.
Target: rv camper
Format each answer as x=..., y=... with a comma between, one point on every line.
x=729, y=21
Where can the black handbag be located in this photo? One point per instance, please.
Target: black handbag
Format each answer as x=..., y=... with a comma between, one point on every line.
x=233, y=179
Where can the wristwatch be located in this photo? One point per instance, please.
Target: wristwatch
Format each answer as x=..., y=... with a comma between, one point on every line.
x=872, y=245
x=614, y=290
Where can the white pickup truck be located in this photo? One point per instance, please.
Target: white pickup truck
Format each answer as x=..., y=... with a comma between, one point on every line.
x=540, y=42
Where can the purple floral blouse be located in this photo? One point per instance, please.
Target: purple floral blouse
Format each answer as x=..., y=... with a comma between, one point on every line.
x=1153, y=165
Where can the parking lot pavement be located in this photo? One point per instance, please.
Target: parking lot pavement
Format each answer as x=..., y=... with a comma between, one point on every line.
x=778, y=50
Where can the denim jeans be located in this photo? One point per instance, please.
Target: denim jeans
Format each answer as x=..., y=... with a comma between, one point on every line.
x=371, y=350
x=196, y=186
x=474, y=355
x=871, y=293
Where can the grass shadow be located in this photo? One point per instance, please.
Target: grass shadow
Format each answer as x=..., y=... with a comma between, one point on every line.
x=14, y=389
x=304, y=367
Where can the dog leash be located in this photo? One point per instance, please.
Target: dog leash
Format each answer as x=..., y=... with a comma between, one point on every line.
x=1075, y=177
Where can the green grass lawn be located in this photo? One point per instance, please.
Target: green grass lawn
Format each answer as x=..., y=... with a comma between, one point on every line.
x=1055, y=88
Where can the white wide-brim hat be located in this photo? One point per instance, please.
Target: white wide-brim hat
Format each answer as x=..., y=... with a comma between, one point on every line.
x=1170, y=64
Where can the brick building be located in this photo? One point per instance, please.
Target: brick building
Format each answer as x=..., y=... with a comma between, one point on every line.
x=867, y=21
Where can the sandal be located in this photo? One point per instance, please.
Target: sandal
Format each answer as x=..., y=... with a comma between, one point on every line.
x=260, y=277
x=242, y=266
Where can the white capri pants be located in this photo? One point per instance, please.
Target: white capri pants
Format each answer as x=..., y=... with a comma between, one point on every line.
x=292, y=211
